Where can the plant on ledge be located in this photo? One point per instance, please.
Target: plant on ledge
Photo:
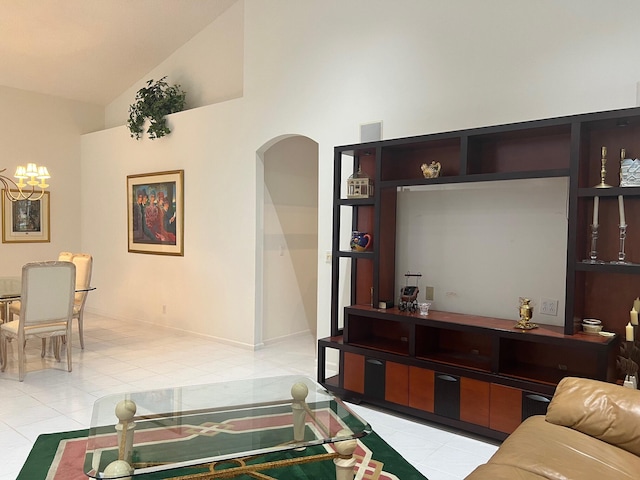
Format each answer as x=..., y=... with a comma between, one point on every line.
x=153, y=102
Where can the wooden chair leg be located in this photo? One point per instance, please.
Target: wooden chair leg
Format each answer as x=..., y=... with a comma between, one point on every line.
x=68, y=357
x=56, y=347
x=3, y=345
x=81, y=329
x=21, y=361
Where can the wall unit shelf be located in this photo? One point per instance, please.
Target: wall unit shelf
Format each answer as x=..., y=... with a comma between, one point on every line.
x=448, y=366
x=478, y=177
x=609, y=192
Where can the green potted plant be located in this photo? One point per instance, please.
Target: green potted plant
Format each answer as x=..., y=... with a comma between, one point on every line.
x=153, y=102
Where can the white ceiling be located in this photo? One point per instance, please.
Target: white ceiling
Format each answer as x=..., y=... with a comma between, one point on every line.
x=93, y=50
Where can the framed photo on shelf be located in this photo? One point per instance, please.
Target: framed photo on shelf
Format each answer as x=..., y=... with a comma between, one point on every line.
x=155, y=213
x=25, y=221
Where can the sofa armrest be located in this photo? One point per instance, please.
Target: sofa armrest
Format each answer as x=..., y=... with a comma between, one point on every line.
x=606, y=411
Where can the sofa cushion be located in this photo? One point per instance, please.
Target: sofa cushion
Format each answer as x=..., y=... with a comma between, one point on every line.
x=492, y=471
x=550, y=451
x=602, y=410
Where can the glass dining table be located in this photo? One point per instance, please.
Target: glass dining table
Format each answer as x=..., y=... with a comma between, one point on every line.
x=10, y=291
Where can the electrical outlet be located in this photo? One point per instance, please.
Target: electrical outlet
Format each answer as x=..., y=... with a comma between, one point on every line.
x=549, y=307
x=428, y=294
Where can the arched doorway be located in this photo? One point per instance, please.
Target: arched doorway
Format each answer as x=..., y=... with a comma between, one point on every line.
x=287, y=256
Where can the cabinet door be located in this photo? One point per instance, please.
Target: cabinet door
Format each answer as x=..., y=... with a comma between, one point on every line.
x=421, y=388
x=374, y=378
x=396, y=383
x=447, y=396
x=534, y=404
x=505, y=413
x=353, y=372
x=474, y=401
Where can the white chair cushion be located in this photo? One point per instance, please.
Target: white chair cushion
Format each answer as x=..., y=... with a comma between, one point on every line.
x=10, y=329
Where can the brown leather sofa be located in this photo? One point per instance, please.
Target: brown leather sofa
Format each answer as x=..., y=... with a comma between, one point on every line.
x=591, y=431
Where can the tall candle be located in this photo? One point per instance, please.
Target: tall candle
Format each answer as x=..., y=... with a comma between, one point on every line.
x=629, y=332
x=634, y=317
x=621, y=208
x=596, y=202
x=636, y=304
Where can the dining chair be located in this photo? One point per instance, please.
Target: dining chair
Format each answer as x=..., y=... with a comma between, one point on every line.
x=84, y=268
x=14, y=307
x=46, y=310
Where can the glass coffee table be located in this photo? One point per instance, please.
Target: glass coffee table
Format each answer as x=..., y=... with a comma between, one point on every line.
x=222, y=426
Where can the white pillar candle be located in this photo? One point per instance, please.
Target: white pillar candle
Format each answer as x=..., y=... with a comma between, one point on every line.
x=596, y=202
x=634, y=317
x=621, y=208
x=629, y=332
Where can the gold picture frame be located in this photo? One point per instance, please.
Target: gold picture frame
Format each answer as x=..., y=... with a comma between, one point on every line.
x=155, y=213
x=25, y=221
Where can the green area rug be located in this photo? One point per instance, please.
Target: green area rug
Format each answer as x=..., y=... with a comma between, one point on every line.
x=60, y=456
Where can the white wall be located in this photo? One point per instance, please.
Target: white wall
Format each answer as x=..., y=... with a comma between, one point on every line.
x=208, y=68
x=320, y=69
x=290, y=238
x=210, y=289
x=46, y=130
x=480, y=256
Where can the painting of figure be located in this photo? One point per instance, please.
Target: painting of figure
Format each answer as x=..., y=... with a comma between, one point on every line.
x=155, y=206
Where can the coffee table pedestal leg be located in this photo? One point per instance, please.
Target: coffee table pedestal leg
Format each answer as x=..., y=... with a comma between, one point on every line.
x=125, y=411
x=299, y=392
x=345, y=463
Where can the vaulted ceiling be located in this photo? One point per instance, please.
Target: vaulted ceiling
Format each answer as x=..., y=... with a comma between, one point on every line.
x=93, y=50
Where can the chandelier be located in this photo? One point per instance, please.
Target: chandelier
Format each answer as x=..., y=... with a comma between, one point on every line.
x=22, y=190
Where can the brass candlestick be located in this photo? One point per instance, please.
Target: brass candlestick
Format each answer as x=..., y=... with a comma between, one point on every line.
x=603, y=170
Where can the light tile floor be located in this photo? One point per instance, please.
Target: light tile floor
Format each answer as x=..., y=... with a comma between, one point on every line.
x=122, y=356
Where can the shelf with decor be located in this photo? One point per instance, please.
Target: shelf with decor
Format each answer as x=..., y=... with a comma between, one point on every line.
x=472, y=178
x=440, y=366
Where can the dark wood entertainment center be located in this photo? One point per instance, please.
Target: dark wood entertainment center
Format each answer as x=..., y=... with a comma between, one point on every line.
x=474, y=372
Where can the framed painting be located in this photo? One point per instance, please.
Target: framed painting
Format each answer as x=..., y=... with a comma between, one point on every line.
x=155, y=213
x=25, y=221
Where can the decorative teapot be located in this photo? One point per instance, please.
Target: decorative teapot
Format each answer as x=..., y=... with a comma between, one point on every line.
x=432, y=170
x=360, y=241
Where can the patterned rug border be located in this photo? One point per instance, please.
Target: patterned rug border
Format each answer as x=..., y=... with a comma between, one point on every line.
x=59, y=456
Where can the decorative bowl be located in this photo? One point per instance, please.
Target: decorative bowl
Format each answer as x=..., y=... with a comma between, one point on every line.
x=591, y=328
x=591, y=321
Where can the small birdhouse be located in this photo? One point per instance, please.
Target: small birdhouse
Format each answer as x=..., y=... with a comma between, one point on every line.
x=359, y=185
